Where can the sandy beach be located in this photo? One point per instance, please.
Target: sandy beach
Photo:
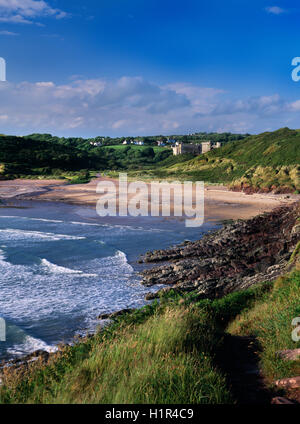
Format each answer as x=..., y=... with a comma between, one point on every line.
x=220, y=203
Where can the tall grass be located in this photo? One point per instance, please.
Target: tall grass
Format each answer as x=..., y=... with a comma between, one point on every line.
x=165, y=359
x=266, y=161
x=165, y=353
x=270, y=321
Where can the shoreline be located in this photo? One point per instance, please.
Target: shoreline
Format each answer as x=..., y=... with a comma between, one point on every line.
x=45, y=209
x=220, y=203
x=215, y=265
x=242, y=206
x=283, y=218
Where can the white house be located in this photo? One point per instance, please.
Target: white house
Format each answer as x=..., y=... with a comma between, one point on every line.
x=96, y=143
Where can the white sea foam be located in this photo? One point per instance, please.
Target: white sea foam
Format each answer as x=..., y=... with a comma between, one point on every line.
x=17, y=234
x=122, y=255
x=2, y=257
x=56, y=269
x=56, y=221
x=125, y=227
x=92, y=224
x=30, y=344
x=53, y=301
x=86, y=224
x=34, y=292
x=133, y=228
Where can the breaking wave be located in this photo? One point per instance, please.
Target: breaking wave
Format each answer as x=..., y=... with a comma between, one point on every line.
x=56, y=269
x=17, y=234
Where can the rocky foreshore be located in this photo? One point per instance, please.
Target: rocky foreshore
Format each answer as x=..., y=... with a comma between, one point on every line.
x=239, y=255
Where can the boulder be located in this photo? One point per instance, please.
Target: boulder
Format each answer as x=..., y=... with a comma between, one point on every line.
x=239, y=255
x=152, y=296
x=289, y=355
x=288, y=383
x=115, y=314
x=281, y=401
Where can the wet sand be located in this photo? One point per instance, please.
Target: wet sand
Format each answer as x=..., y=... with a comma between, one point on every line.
x=220, y=203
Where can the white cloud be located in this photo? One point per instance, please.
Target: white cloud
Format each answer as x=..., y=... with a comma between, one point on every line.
x=132, y=106
x=202, y=98
x=26, y=11
x=10, y=33
x=275, y=10
x=123, y=104
x=294, y=106
x=263, y=105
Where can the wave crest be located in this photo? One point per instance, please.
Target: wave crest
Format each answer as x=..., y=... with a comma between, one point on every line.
x=56, y=269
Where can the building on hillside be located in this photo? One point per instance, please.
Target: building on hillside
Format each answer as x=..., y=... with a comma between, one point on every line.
x=161, y=143
x=171, y=141
x=206, y=146
x=126, y=142
x=181, y=149
x=96, y=143
x=195, y=149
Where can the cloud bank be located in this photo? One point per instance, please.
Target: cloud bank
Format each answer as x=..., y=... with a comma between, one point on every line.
x=26, y=11
x=133, y=106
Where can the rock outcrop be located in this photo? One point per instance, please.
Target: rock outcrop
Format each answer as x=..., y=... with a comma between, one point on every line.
x=115, y=314
x=234, y=258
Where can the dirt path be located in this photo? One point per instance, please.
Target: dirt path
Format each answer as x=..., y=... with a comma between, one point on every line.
x=239, y=360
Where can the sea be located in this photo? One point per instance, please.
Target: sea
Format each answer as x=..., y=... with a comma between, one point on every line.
x=62, y=265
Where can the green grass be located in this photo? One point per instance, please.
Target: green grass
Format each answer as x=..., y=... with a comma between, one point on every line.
x=162, y=353
x=121, y=147
x=270, y=322
x=70, y=177
x=268, y=161
x=296, y=253
x=166, y=352
x=264, y=162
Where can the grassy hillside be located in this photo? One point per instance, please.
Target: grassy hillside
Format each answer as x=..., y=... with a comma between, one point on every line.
x=270, y=322
x=165, y=353
x=24, y=157
x=160, y=354
x=267, y=161
x=123, y=148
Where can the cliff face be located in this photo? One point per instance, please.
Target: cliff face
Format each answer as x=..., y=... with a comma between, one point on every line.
x=233, y=258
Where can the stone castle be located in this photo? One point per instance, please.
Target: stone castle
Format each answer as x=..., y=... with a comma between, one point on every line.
x=196, y=149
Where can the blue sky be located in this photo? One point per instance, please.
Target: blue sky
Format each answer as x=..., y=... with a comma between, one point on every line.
x=134, y=67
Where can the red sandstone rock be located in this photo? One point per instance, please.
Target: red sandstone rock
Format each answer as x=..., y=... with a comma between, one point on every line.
x=288, y=383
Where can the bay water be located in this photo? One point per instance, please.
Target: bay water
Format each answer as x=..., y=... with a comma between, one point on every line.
x=61, y=266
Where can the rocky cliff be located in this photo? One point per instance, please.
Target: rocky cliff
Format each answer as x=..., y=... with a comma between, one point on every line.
x=233, y=258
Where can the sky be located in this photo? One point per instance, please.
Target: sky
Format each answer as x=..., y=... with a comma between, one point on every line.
x=148, y=67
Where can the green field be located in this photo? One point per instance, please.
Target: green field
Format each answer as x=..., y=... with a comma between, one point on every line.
x=25, y=157
x=268, y=161
x=265, y=162
x=121, y=147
